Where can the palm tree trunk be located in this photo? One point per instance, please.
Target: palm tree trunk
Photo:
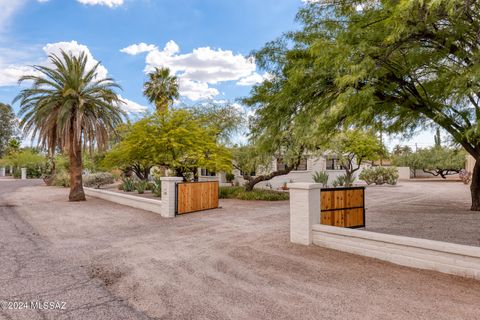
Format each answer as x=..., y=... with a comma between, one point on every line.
x=76, y=183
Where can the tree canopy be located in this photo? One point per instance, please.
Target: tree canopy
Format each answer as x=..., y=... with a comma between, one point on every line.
x=405, y=64
x=176, y=139
x=7, y=127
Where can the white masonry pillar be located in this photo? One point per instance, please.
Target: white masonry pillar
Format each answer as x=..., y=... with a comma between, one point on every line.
x=2, y=172
x=168, y=196
x=24, y=173
x=304, y=211
x=11, y=170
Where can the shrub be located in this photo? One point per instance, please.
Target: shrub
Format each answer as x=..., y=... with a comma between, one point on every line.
x=61, y=179
x=99, y=179
x=157, y=187
x=140, y=186
x=380, y=175
x=255, y=194
x=321, y=177
x=128, y=184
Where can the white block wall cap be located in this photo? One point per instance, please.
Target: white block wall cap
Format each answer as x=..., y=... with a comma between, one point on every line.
x=304, y=185
x=93, y=191
x=171, y=179
x=402, y=240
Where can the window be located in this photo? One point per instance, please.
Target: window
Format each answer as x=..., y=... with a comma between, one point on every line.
x=280, y=164
x=251, y=174
x=333, y=163
x=207, y=173
x=302, y=166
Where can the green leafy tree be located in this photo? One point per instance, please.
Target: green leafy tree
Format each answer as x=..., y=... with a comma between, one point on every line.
x=437, y=161
x=67, y=105
x=353, y=148
x=161, y=88
x=413, y=64
x=175, y=139
x=7, y=127
x=225, y=119
x=28, y=158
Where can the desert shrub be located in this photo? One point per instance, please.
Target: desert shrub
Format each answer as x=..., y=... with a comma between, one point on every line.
x=61, y=179
x=321, y=177
x=128, y=184
x=156, y=186
x=255, y=194
x=380, y=175
x=141, y=186
x=98, y=179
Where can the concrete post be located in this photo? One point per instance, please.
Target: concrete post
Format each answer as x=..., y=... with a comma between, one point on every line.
x=11, y=170
x=24, y=173
x=2, y=172
x=168, y=196
x=304, y=211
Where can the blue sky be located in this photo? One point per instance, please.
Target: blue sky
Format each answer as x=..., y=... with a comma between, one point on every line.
x=208, y=40
x=205, y=42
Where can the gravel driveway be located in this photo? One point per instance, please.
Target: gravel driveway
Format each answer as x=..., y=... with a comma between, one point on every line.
x=437, y=210
x=32, y=275
x=230, y=263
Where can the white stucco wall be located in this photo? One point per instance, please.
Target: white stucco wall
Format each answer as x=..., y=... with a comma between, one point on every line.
x=314, y=164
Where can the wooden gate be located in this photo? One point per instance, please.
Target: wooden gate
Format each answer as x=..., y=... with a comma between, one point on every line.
x=196, y=196
x=343, y=207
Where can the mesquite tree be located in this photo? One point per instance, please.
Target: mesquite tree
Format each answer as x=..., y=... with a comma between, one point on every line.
x=409, y=63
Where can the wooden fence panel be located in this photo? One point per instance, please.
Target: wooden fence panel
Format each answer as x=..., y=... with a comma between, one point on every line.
x=343, y=207
x=196, y=196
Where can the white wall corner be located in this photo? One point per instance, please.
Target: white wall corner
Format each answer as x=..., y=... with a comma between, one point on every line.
x=168, y=196
x=304, y=211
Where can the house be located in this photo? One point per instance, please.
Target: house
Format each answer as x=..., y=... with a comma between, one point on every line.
x=308, y=166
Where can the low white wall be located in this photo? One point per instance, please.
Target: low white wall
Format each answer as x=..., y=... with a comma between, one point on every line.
x=439, y=256
x=127, y=200
x=403, y=173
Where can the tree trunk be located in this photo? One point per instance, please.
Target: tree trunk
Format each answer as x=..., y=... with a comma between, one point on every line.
x=76, y=183
x=475, y=187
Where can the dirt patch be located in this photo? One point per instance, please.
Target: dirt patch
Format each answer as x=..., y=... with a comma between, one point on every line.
x=107, y=274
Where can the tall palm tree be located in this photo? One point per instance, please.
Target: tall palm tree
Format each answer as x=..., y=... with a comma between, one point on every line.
x=67, y=106
x=161, y=88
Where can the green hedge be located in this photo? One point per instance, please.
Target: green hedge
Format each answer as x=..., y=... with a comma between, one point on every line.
x=256, y=194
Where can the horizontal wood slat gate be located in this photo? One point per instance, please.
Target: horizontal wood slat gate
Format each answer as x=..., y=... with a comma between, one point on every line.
x=196, y=196
x=343, y=207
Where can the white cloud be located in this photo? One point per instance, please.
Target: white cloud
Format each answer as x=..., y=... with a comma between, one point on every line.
x=132, y=107
x=197, y=70
x=196, y=90
x=135, y=49
x=9, y=74
x=253, y=79
x=73, y=47
x=7, y=9
x=108, y=3
x=42, y=1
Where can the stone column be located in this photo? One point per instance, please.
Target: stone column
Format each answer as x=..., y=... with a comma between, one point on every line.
x=24, y=173
x=304, y=211
x=168, y=196
x=2, y=172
